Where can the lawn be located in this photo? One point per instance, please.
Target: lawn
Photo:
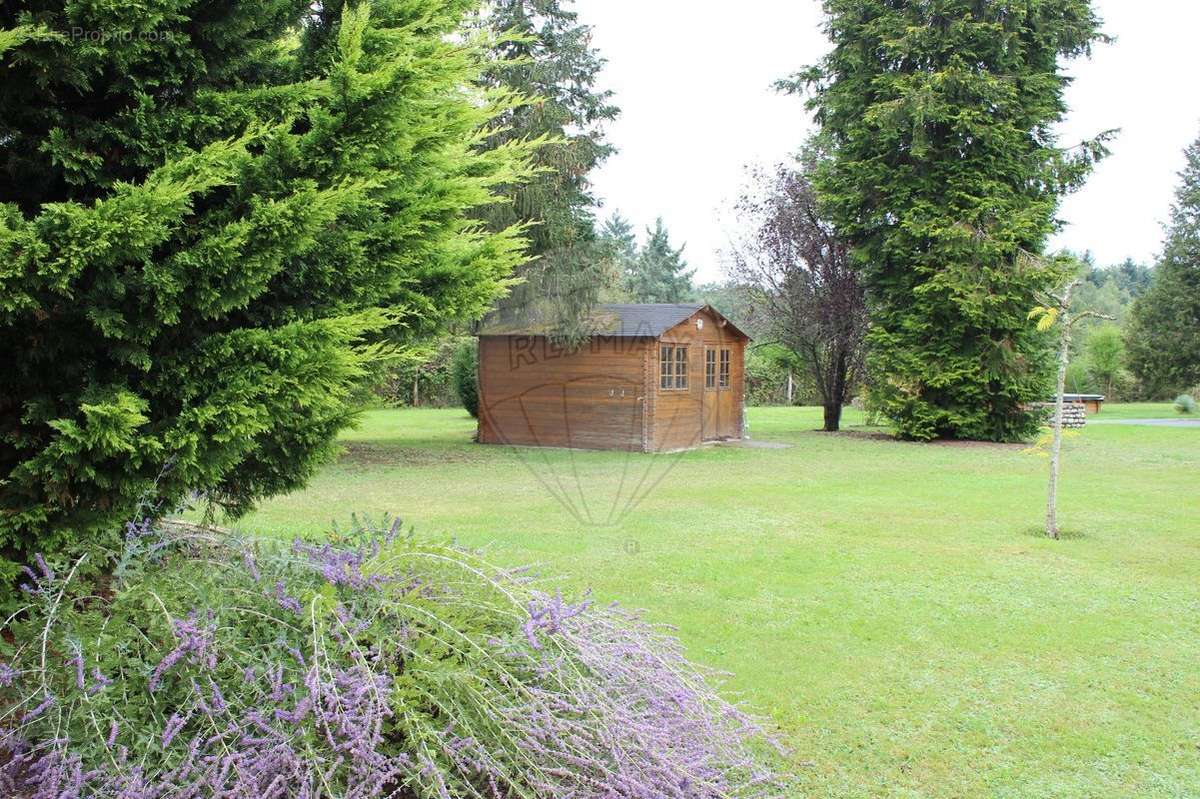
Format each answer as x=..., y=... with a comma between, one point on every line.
x=888, y=605
x=1139, y=410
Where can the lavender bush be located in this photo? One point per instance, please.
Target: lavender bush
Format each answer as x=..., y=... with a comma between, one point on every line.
x=376, y=666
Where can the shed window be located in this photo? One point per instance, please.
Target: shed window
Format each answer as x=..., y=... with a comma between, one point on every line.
x=724, y=368
x=673, y=368
x=710, y=368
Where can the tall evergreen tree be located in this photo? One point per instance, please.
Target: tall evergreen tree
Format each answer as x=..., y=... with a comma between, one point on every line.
x=620, y=246
x=659, y=274
x=945, y=176
x=618, y=232
x=208, y=212
x=1129, y=276
x=1164, y=327
x=544, y=53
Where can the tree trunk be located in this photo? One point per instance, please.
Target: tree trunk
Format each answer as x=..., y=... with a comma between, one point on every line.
x=833, y=416
x=1064, y=353
x=834, y=393
x=791, y=387
x=416, y=389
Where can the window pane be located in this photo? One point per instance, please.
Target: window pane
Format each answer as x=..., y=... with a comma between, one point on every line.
x=710, y=368
x=681, y=375
x=724, y=368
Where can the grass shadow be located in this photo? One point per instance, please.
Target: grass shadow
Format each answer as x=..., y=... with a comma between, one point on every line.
x=366, y=456
x=1063, y=535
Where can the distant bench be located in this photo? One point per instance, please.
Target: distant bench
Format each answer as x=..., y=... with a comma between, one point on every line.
x=1076, y=408
x=1090, y=402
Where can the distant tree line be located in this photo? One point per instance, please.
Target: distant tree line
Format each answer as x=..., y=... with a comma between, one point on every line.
x=1150, y=349
x=652, y=273
x=1164, y=324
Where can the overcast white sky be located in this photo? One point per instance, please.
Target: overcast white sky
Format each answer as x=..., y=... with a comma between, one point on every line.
x=693, y=80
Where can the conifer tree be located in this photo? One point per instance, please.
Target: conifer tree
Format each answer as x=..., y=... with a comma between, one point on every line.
x=945, y=171
x=618, y=232
x=659, y=274
x=210, y=217
x=620, y=247
x=1163, y=338
x=544, y=53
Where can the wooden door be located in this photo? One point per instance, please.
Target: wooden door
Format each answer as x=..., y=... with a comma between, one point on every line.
x=727, y=422
x=710, y=406
x=719, y=406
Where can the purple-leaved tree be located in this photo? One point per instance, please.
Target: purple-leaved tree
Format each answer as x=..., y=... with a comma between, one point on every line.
x=801, y=283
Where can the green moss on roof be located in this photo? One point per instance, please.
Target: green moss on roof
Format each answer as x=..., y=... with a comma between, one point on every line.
x=620, y=319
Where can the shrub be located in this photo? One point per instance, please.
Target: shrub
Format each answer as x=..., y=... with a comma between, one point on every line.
x=1185, y=404
x=766, y=377
x=433, y=372
x=466, y=376
x=206, y=225
x=1079, y=379
x=377, y=666
x=1105, y=347
x=871, y=411
x=766, y=380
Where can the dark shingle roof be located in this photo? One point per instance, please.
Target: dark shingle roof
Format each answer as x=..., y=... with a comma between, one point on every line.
x=650, y=319
x=622, y=320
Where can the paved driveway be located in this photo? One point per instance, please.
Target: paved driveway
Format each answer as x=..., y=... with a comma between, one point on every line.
x=1195, y=423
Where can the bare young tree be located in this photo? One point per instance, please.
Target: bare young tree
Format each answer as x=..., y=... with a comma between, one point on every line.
x=1057, y=311
x=801, y=283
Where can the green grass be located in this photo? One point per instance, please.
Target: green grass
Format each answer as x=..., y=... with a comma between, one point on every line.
x=1136, y=410
x=889, y=605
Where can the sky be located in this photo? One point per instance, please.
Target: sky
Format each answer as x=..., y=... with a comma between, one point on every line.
x=693, y=80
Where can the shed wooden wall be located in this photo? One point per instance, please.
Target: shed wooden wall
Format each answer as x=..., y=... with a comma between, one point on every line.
x=535, y=394
x=675, y=415
x=605, y=395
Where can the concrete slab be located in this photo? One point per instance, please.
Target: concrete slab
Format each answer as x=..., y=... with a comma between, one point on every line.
x=751, y=443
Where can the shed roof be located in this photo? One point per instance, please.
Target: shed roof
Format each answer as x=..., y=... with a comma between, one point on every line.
x=624, y=320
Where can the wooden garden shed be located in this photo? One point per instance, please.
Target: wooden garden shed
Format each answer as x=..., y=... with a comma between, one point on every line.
x=650, y=378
